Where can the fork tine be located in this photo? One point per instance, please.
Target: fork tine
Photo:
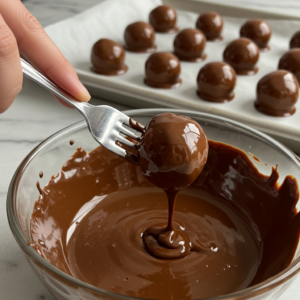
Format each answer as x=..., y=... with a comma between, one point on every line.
x=126, y=142
x=129, y=133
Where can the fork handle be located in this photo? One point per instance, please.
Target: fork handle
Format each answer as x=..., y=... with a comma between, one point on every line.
x=42, y=80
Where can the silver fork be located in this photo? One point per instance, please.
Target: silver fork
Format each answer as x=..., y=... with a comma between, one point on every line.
x=105, y=123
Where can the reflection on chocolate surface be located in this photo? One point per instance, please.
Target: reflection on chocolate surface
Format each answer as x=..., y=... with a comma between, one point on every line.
x=162, y=70
x=242, y=54
x=139, y=37
x=108, y=58
x=216, y=81
x=89, y=221
x=290, y=61
x=189, y=45
x=211, y=24
x=258, y=31
x=277, y=94
x=173, y=152
x=163, y=19
x=295, y=40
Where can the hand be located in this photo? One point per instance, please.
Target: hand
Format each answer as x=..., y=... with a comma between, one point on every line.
x=20, y=32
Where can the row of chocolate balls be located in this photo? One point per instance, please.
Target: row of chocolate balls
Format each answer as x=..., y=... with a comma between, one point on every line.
x=163, y=20
x=277, y=92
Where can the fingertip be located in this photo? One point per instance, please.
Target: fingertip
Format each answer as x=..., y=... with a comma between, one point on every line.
x=83, y=94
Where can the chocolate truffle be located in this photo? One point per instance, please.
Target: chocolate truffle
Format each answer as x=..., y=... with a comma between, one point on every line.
x=258, y=31
x=173, y=151
x=295, y=40
x=211, y=24
x=242, y=54
x=163, y=19
x=108, y=58
x=277, y=93
x=290, y=61
x=139, y=37
x=163, y=70
x=216, y=81
x=189, y=45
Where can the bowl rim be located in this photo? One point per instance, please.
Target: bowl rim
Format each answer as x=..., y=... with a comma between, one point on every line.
x=15, y=227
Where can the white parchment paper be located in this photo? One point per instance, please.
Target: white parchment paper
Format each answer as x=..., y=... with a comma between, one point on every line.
x=76, y=36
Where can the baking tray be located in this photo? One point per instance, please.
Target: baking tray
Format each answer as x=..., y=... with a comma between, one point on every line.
x=76, y=36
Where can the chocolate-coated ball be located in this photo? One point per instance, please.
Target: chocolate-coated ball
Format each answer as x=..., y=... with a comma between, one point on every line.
x=163, y=19
x=290, y=61
x=277, y=94
x=216, y=81
x=211, y=24
x=173, y=151
x=162, y=70
x=258, y=31
x=108, y=58
x=189, y=45
x=139, y=37
x=295, y=40
x=242, y=54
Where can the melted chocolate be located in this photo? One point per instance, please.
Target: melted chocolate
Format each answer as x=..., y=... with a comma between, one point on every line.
x=41, y=174
x=242, y=54
x=140, y=37
x=163, y=70
x=71, y=142
x=290, y=61
x=108, y=58
x=163, y=19
x=90, y=219
x=295, y=40
x=211, y=24
x=277, y=94
x=189, y=45
x=258, y=31
x=216, y=81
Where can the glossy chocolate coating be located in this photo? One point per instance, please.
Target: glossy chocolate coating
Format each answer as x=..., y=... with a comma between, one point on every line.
x=163, y=19
x=211, y=24
x=108, y=58
x=189, y=45
x=277, y=94
x=216, y=81
x=139, y=37
x=295, y=40
x=258, y=31
x=242, y=54
x=290, y=61
x=162, y=70
x=90, y=219
x=173, y=151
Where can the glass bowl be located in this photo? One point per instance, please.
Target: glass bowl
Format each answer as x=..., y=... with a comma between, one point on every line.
x=51, y=154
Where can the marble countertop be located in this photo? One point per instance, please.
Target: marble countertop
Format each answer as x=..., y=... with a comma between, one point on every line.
x=33, y=117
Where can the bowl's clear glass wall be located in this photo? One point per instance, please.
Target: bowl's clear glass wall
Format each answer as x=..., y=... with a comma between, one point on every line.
x=56, y=150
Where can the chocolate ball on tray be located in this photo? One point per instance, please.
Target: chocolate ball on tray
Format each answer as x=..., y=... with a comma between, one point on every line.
x=163, y=70
x=277, y=94
x=242, y=54
x=163, y=18
x=139, y=37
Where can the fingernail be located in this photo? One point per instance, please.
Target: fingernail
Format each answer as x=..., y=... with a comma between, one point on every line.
x=84, y=94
